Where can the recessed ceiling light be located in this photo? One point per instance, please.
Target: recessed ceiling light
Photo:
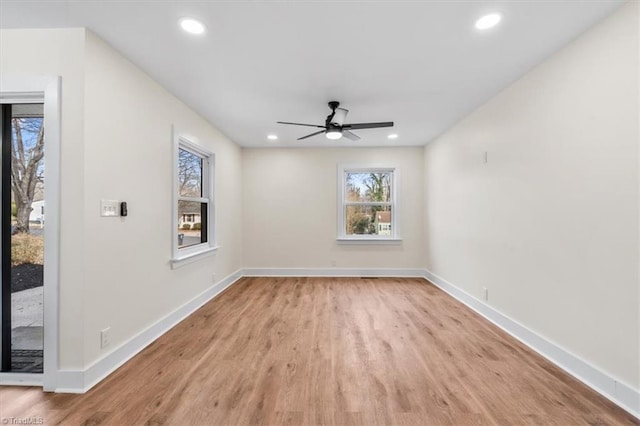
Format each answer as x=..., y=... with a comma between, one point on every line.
x=192, y=26
x=393, y=136
x=272, y=137
x=488, y=21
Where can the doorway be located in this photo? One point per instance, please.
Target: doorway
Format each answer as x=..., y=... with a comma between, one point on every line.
x=23, y=223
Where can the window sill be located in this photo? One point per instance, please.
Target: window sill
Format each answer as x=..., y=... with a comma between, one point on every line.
x=352, y=240
x=192, y=257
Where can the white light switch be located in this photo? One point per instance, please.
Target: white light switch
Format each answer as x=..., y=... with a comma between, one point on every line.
x=109, y=208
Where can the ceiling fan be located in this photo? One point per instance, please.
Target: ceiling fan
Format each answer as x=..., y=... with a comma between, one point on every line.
x=334, y=127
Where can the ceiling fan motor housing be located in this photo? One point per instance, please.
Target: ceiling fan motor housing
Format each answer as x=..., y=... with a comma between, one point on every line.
x=329, y=121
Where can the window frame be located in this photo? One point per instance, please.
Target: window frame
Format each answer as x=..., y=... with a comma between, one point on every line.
x=181, y=256
x=342, y=204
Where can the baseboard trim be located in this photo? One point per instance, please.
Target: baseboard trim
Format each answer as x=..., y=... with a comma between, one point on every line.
x=333, y=272
x=80, y=381
x=21, y=379
x=617, y=392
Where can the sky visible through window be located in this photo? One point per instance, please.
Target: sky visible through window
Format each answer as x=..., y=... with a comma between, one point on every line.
x=189, y=174
x=29, y=127
x=369, y=187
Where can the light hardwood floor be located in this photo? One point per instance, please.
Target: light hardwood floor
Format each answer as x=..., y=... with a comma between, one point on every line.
x=328, y=351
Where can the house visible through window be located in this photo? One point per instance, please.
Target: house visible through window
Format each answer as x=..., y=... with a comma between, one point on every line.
x=194, y=194
x=367, y=203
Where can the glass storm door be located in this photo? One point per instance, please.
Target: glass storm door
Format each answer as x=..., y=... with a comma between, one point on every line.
x=23, y=222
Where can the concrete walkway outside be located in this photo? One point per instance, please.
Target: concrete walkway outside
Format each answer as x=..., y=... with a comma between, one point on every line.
x=27, y=319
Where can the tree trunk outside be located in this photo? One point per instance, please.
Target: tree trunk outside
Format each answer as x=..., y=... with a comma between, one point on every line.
x=24, y=172
x=23, y=211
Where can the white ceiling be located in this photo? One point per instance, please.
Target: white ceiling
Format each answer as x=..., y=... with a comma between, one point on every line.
x=421, y=64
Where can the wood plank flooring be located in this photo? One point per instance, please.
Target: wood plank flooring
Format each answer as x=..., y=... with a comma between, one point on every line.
x=322, y=351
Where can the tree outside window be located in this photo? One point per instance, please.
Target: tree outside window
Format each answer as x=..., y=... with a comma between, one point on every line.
x=367, y=204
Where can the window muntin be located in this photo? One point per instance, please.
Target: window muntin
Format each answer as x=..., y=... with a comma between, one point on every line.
x=367, y=203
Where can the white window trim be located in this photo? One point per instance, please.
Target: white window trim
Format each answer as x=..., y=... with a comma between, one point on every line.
x=184, y=256
x=342, y=237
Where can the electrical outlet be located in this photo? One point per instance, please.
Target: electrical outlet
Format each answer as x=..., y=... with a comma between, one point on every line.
x=213, y=278
x=105, y=337
x=333, y=263
x=485, y=157
x=485, y=294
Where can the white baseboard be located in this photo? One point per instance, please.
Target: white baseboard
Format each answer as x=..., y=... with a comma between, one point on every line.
x=619, y=393
x=80, y=381
x=70, y=381
x=333, y=272
x=20, y=379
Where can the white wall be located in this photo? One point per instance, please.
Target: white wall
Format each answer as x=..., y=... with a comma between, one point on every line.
x=61, y=52
x=290, y=208
x=128, y=156
x=550, y=223
x=117, y=144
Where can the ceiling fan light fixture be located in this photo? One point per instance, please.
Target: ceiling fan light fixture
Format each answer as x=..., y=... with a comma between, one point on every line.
x=334, y=134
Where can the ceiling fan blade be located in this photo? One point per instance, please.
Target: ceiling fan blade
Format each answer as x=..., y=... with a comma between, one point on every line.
x=312, y=134
x=355, y=126
x=349, y=135
x=339, y=116
x=301, y=124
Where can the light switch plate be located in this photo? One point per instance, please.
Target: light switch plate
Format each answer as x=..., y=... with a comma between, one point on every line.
x=109, y=208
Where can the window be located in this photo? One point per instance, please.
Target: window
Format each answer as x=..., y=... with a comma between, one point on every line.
x=367, y=207
x=193, y=201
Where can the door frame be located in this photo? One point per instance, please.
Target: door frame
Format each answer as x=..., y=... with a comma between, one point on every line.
x=16, y=89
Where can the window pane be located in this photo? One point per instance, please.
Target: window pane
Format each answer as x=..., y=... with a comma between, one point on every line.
x=192, y=223
x=368, y=187
x=189, y=174
x=368, y=220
